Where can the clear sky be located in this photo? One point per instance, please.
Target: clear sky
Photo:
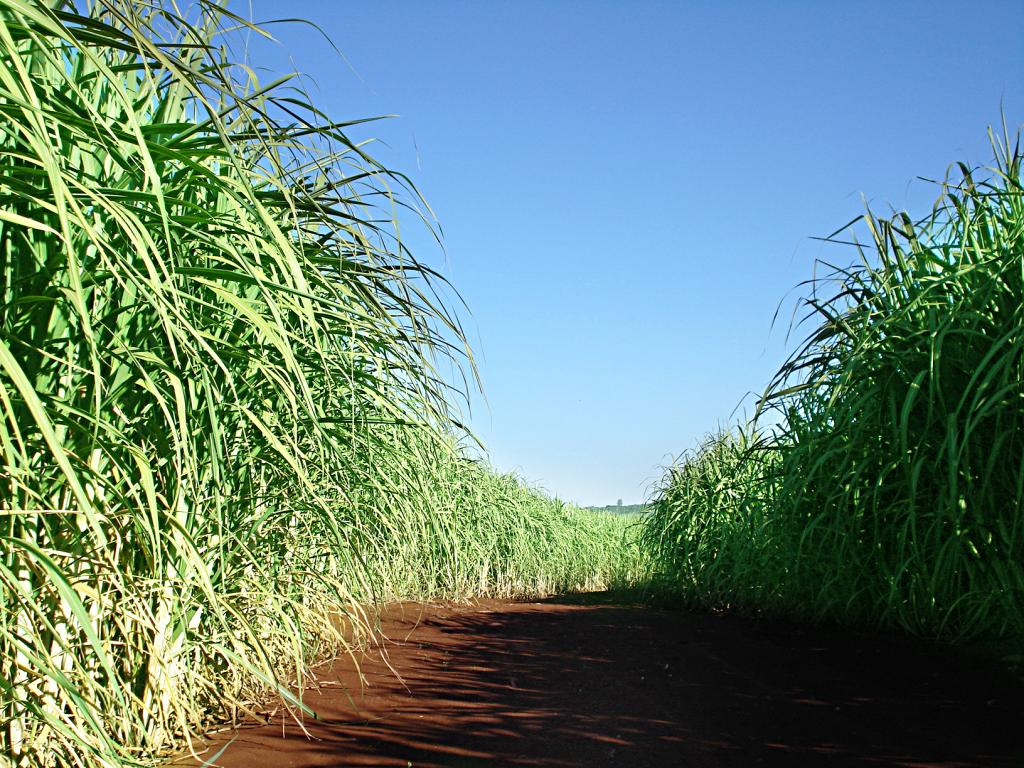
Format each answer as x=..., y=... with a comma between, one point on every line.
x=627, y=190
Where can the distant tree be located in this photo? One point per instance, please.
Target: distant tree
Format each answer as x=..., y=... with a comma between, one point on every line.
x=618, y=503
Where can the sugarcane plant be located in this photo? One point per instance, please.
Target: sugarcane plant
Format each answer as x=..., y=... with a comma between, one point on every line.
x=204, y=309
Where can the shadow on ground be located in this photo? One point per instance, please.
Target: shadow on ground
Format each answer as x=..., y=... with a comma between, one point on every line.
x=580, y=682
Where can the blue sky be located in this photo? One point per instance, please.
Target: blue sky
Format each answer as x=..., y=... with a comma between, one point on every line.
x=627, y=190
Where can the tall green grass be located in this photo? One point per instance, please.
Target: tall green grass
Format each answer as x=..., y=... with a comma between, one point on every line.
x=706, y=536
x=223, y=429
x=449, y=526
x=883, y=479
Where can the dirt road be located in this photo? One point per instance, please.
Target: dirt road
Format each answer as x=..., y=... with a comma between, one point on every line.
x=581, y=683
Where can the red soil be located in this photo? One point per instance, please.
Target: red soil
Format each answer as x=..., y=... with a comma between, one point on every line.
x=560, y=683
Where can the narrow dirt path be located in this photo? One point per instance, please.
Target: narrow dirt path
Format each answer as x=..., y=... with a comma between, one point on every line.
x=561, y=683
